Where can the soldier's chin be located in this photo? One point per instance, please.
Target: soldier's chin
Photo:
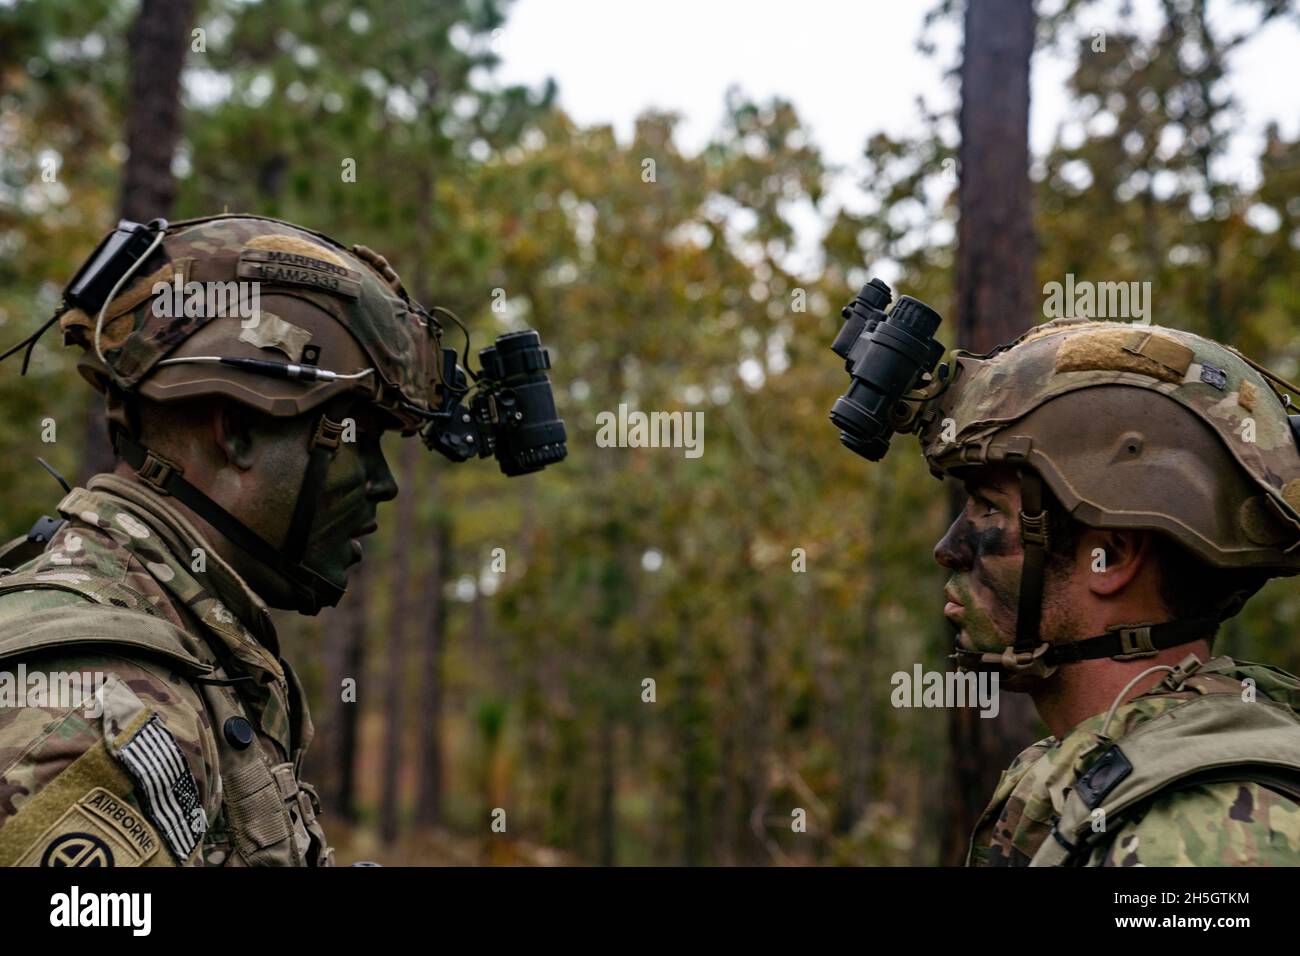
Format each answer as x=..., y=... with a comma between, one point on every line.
x=1020, y=683
x=1016, y=683
x=336, y=565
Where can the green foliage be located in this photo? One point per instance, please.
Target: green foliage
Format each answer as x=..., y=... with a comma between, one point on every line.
x=772, y=685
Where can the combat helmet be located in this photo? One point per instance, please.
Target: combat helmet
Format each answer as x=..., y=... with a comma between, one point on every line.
x=1129, y=427
x=289, y=322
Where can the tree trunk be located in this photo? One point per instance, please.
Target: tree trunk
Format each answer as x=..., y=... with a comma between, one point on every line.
x=996, y=300
x=429, y=808
x=607, y=821
x=394, y=684
x=158, y=41
x=756, y=743
x=859, y=735
x=689, y=712
x=351, y=642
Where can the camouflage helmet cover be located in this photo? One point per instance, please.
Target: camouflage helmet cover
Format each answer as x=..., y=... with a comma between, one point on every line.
x=1133, y=427
x=347, y=305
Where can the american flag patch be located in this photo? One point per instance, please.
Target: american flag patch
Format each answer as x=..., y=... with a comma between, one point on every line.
x=163, y=778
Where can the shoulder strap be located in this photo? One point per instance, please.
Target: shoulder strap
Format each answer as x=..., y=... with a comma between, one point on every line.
x=123, y=619
x=1210, y=739
x=74, y=580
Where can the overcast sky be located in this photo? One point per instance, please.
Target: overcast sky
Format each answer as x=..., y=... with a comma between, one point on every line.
x=851, y=67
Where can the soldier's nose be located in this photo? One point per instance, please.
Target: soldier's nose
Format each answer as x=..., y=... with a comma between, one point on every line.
x=952, y=551
x=381, y=486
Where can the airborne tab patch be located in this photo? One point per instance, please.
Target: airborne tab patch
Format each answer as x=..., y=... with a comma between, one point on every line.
x=99, y=830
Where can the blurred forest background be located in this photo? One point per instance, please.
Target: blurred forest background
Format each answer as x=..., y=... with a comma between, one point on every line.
x=522, y=688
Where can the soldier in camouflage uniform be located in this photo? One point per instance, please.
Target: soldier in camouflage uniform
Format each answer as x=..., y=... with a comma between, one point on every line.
x=1130, y=488
x=237, y=489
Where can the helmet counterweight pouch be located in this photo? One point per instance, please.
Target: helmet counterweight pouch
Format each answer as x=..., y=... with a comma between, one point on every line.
x=119, y=251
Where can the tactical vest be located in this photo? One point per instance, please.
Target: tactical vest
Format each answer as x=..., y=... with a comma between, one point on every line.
x=1212, y=738
x=268, y=816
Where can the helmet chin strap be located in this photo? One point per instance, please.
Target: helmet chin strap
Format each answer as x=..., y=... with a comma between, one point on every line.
x=311, y=590
x=1035, y=657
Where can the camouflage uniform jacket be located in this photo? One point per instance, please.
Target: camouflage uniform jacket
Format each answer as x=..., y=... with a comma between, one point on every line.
x=1224, y=823
x=189, y=752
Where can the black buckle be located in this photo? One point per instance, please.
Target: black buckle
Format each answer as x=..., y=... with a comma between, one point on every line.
x=157, y=470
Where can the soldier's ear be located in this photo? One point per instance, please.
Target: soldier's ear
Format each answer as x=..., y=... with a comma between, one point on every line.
x=1117, y=555
x=233, y=431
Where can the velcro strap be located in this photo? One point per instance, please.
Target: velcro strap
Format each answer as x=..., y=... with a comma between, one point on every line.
x=1162, y=350
x=143, y=288
x=94, y=768
x=214, y=269
x=285, y=781
x=252, y=798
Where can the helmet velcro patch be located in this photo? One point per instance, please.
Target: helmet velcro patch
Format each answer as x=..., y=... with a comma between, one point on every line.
x=297, y=245
x=1125, y=350
x=290, y=260
x=1056, y=325
x=79, y=328
x=143, y=288
x=1246, y=395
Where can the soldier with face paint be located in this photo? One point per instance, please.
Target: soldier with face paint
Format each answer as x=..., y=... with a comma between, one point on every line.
x=1128, y=490
x=250, y=471
x=982, y=597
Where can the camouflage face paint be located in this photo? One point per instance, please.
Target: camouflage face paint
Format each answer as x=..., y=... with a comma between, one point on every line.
x=358, y=478
x=984, y=553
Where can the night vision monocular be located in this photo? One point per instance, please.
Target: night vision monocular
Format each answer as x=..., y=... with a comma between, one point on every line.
x=891, y=358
